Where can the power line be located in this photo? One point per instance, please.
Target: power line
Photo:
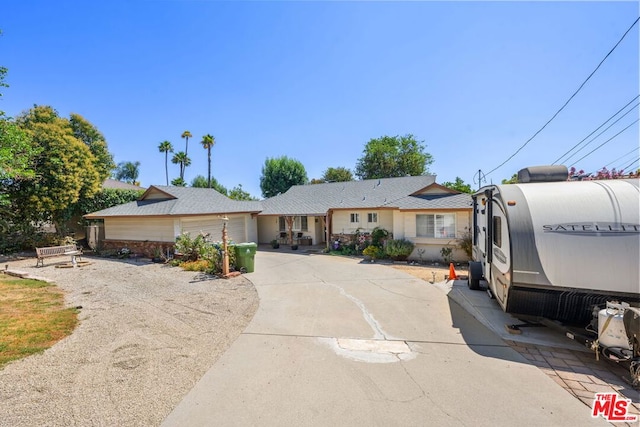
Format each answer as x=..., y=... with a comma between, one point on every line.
x=598, y=135
x=631, y=164
x=599, y=146
x=568, y=100
x=621, y=157
x=596, y=129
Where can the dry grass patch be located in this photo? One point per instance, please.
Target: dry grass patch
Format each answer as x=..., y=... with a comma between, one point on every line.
x=431, y=273
x=32, y=318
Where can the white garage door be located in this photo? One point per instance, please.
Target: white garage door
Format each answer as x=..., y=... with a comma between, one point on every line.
x=213, y=225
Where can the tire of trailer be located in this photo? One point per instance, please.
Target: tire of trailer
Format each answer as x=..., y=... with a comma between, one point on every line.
x=474, y=276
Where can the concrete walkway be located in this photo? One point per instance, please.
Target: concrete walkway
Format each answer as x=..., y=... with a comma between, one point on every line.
x=336, y=342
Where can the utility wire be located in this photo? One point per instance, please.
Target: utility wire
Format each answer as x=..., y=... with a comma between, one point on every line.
x=598, y=135
x=595, y=130
x=569, y=100
x=621, y=157
x=599, y=146
x=630, y=164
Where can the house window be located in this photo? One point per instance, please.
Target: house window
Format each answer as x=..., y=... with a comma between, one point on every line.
x=372, y=217
x=355, y=217
x=300, y=223
x=437, y=226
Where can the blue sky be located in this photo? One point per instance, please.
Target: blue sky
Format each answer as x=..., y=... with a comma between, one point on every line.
x=316, y=80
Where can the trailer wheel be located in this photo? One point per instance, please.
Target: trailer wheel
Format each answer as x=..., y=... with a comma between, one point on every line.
x=474, y=276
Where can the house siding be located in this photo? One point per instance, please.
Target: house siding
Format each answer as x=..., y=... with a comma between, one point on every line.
x=268, y=229
x=240, y=228
x=139, y=229
x=342, y=220
x=429, y=248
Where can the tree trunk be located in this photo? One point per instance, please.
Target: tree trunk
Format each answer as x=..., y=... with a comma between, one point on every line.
x=209, y=158
x=166, y=166
x=289, y=221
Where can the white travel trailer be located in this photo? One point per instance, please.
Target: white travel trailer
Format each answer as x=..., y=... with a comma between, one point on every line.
x=554, y=249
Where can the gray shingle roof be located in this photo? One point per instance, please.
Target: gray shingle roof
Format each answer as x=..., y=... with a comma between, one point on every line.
x=180, y=201
x=113, y=183
x=311, y=199
x=435, y=201
x=317, y=199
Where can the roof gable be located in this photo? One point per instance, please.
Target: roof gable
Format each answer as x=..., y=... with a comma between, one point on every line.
x=435, y=189
x=179, y=201
x=154, y=193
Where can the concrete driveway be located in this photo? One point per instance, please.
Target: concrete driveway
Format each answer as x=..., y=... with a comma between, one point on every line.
x=337, y=342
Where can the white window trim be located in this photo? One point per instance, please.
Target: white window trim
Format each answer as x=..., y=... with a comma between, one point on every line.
x=435, y=236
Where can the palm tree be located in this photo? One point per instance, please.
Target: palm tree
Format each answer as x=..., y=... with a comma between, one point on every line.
x=128, y=172
x=181, y=159
x=186, y=135
x=166, y=148
x=207, y=142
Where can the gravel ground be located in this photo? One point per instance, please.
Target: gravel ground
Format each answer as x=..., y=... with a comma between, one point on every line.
x=147, y=334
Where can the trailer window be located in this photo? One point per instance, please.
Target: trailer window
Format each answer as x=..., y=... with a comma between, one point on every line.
x=497, y=231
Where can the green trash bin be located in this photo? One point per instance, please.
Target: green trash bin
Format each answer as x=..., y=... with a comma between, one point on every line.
x=245, y=256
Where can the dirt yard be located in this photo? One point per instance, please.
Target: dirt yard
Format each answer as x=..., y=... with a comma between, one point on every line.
x=147, y=334
x=432, y=273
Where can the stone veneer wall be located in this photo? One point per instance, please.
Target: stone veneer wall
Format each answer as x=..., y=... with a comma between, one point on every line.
x=347, y=239
x=145, y=248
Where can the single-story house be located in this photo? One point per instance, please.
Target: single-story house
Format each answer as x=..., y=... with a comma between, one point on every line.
x=414, y=208
x=164, y=212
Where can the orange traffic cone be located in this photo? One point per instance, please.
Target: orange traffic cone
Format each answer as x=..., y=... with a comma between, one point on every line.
x=452, y=272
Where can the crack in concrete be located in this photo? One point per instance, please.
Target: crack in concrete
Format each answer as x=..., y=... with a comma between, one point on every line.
x=378, y=332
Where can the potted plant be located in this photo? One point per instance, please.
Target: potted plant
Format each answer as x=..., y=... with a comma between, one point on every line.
x=157, y=255
x=275, y=244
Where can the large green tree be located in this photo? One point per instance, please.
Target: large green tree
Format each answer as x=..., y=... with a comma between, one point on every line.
x=339, y=174
x=180, y=158
x=237, y=193
x=166, y=148
x=281, y=173
x=16, y=152
x=458, y=185
x=393, y=156
x=128, y=172
x=66, y=169
x=95, y=141
x=512, y=180
x=201, y=182
x=208, y=141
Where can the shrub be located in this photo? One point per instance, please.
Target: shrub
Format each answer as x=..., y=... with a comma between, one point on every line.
x=466, y=244
x=191, y=249
x=200, y=265
x=399, y=250
x=373, y=251
x=446, y=254
x=348, y=250
x=378, y=236
x=212, y=253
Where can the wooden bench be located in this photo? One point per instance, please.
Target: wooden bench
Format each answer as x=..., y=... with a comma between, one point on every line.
x=53, y=251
